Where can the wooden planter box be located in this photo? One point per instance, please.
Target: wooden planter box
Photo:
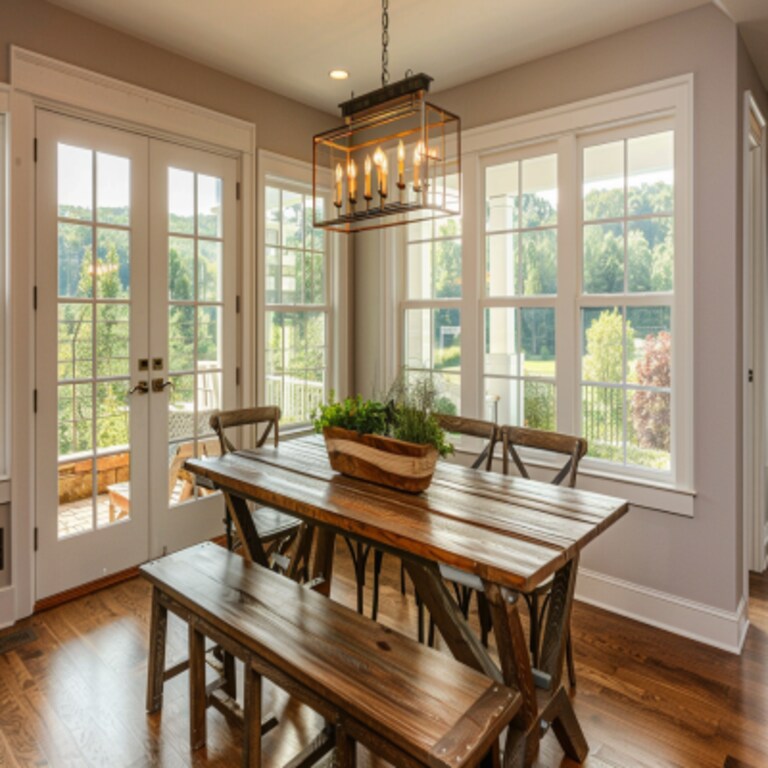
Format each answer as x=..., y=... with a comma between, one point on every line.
x=383, y=460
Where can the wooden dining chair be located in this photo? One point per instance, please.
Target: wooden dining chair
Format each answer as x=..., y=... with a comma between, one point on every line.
x=276, y=530
x=540, y=446
x=489, y=436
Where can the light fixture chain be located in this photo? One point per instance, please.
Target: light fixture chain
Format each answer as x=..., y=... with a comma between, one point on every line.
x=384, y=42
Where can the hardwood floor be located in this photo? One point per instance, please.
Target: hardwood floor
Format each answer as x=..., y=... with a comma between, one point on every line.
x=74, y=696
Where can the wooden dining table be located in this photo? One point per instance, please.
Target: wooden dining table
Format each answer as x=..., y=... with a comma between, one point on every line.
x=509, y=533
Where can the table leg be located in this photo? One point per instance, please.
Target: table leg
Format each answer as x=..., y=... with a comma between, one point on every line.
x=522, y=743
x=322, y=561
x=197, y=694
x=464, y=644
x=158, y=628
x=253, y=549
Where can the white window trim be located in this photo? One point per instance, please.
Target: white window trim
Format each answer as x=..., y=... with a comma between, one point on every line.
x=272, y=166
x=671, y=98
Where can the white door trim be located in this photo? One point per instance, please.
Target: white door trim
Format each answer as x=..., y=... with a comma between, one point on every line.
x=74, y=88
x=39, y=81
x=755, y=315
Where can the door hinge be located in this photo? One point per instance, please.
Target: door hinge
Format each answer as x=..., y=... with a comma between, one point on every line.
x=34, y=400
x=237, y=377
x=34, y=298
x=237, y=190
x=35, y=543
x=237, y=305
x=750, y=376
x=35, y=148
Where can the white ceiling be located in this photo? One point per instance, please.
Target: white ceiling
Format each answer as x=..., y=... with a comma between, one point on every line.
x=289, y=46
x=752, y=18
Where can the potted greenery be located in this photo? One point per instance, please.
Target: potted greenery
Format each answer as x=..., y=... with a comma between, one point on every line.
x=394, y=442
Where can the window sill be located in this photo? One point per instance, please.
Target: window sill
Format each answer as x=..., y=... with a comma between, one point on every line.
x=296, y=430
x=639, y=492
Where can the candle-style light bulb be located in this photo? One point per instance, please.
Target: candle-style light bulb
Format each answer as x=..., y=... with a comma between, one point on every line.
x=339, y=175
x=383, y=171
x=417, y=167
x=400, y=163
x=352, y=176
x=367, y=190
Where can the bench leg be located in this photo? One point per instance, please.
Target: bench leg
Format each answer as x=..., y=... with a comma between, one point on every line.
x=345, y=748
x=197, y=696
x=252, y=718
x=158, y=628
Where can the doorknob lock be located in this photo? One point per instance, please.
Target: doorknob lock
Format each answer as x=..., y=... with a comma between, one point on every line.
x=142, y=388
x=158, y=385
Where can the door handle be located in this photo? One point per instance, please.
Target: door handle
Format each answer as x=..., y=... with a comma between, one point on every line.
x=158, y=385
x=142, y=388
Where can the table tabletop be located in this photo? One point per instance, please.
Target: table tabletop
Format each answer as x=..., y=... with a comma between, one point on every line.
x=508, y=530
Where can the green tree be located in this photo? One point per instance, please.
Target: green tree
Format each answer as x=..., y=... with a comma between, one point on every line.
x=607, y=343
x=603, y=259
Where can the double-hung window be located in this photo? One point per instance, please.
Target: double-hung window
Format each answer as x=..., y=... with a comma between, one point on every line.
x=627, y=295
x=297, y=304
x=562, y=298
x=520, y=288
x=432, y=313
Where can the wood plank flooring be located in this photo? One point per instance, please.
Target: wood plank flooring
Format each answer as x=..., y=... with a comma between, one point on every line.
x=74, y=696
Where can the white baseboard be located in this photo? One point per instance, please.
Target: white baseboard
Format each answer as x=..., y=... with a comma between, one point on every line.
x=709, y=625
x=7, y=607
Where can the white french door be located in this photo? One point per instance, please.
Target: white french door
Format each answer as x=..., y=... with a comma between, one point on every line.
x=135, y=344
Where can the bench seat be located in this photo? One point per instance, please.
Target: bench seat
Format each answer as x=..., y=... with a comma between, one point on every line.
x=408, y=703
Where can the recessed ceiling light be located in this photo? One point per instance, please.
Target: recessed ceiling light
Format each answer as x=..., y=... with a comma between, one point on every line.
x=338, y=74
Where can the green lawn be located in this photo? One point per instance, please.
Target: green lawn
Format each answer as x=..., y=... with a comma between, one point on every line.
x=540, y=368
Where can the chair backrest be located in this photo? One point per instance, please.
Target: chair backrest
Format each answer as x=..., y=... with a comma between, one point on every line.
x=553, y=442
x=268, y=415
x=485, y=430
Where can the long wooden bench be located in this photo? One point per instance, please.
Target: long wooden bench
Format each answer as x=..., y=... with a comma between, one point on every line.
x=406, y=702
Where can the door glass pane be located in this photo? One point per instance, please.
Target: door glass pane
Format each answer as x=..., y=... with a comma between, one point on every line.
x=113, y=339
x=112, y=414
x=181, y=268
x=195, y=323
x=209, y=270
x=209, y=336
x=209, y=221
x=75, y=252
x=75, y=183
x=113, y=275
x=113, y=189
x=93, y=340
x=114, y=488
x=181, y=337
x=181, y=201
x=75, y=341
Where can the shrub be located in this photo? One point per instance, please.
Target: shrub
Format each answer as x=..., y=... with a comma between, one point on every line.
x=651, y=410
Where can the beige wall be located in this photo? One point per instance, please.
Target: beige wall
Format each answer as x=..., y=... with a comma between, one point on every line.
x=697, y=559
x=283, y=125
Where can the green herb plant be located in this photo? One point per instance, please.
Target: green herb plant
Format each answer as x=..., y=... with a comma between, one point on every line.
x=409, y=414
